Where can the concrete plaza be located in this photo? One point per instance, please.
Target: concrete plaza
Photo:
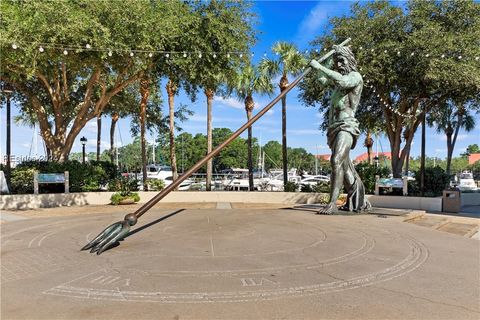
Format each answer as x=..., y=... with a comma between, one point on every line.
x=213, y=262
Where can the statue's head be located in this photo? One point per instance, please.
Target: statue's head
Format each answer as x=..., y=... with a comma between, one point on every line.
x=344, y=60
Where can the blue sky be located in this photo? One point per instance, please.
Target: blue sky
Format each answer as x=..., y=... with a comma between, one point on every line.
x=293, y=21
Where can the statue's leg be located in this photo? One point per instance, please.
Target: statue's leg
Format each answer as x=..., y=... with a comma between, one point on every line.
x=340, y=152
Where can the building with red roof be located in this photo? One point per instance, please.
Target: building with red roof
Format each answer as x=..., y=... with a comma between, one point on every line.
x=474, y=157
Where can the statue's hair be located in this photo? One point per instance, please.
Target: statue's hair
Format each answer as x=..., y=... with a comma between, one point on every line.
x=347, y=53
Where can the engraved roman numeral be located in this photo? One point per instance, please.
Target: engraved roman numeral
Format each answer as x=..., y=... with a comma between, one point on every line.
x=252, y=282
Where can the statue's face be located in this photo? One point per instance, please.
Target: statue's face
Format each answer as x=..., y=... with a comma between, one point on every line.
x=340, y=64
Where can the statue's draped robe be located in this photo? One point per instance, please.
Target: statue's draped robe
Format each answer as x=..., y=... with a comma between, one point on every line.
x=356, y=199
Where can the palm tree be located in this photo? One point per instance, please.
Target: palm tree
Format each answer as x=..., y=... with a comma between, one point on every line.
x=246, y=82
x=449, y=119
x=369, y=144
x=171, y=92
x=99, y=134
x=144, y=92
x=289, y=61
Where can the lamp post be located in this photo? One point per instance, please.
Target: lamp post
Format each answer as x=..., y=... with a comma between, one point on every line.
x=83, y=140
x=7, y=91
x=376, y=160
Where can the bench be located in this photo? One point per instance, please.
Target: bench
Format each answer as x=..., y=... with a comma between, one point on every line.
x=48, y=178
x=391, y=183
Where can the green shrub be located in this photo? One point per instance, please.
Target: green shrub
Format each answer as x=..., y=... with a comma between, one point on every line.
x=367, y=173
x=322, y=187
x=123, y=184
x=306, y=188
x=22, y=180
x=118, y=196
x=436, y=180
x=290, y=186
x=155, y=184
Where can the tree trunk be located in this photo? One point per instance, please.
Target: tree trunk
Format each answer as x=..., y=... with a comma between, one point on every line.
x=283, y=86
x=99, y=135
x=422, y=158
x=171, y=91
x=249, y=105
x=113, y=147
x=145, y=92
x=209, y=93
x=449, y=150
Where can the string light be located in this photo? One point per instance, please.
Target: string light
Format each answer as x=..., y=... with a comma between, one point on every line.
x=131, y=54
x=184, y=54
x=199, y=55
x=459, y=57
x=214, y=55
x=167, y=55
x=150, y=55
x=110, y=53
x=14, y=46
x=41, y=49
x=88, y=46
x=65, y=52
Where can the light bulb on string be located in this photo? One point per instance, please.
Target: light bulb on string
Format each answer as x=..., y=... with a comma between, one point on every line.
x=65, y=52
x=88, y=46
x=109, y=53
x=131, y=54
x=477, y=58
x=427, y=55
x=214, y=55
x=443, y=56
x=384, y=51
x=41, y=49
x=253, y=54
x=316, y=50
x=398, y=53
x=459, y=57
x=241, y=55
x=14, y=46
x=361, y=48
x=184, y=54
x=199, y=55
x=412, y=54
x=167, y=55
x=228, y=55
x=150, y=55
x=265, y=54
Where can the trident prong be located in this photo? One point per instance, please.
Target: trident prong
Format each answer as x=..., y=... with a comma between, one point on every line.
x=111, y=235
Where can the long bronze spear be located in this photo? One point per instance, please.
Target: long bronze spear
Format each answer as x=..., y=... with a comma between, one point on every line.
x=117, y=231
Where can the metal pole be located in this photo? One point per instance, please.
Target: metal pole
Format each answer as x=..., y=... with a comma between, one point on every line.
x=83, y=153
x=9, y=145
x=422, y=158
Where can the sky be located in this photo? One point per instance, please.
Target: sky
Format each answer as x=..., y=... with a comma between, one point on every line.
x=298, y=22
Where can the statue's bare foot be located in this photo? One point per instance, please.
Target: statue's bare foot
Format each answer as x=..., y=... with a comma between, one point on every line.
x=331, y=208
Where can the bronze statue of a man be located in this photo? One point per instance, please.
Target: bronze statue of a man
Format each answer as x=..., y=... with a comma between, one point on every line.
x=343, y=131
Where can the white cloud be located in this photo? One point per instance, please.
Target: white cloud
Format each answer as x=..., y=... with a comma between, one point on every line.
x=229, y=102
x=460, y=137
x=303, y=131
x=313, y=22
x=440, y=150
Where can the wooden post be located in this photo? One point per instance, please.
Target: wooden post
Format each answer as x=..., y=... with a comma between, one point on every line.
x=67, y=182
x=35, y=182
x=405, y=186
